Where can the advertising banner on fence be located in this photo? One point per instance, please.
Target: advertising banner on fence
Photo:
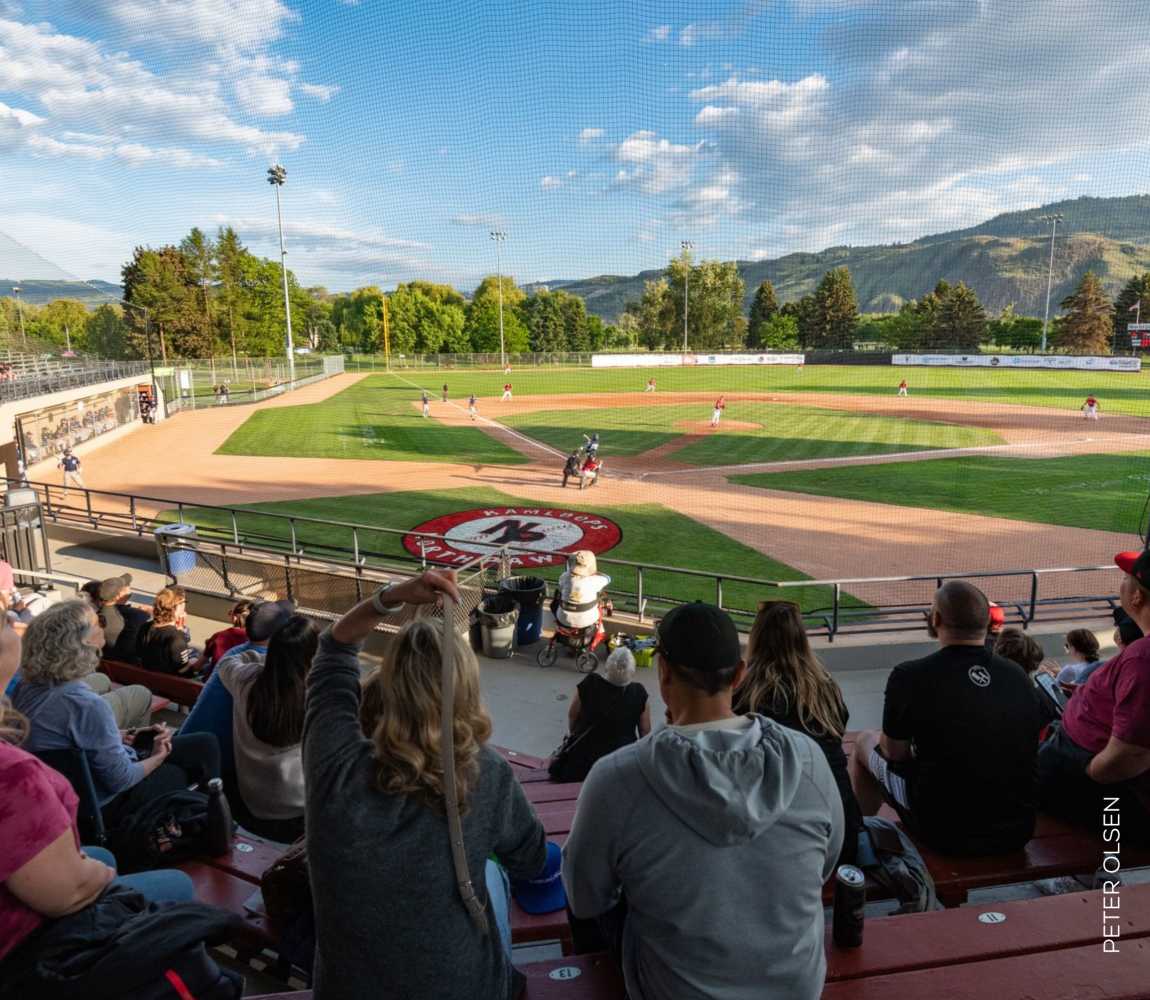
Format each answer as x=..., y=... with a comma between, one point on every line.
x=676, y=360
x=1063, y=361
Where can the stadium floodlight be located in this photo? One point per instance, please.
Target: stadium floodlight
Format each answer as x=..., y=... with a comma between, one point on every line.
x=16, y=290
x=276, y=177
x=1053, y=220
x=498, y=235
x=687, y=247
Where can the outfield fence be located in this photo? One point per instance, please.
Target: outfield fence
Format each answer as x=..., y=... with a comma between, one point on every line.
x=328, y=565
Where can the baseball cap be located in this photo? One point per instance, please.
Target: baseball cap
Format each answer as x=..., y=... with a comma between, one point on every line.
x=700, y=637
x=544, y=893
x=997, y=616
x=583, y=563
x=109, y=589
x=1135, y=564
x=267, y=618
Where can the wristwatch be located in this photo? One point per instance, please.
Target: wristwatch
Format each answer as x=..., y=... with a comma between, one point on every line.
x=383, y=607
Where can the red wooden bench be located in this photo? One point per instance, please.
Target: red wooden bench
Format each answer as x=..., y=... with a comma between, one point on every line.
x=182, y=690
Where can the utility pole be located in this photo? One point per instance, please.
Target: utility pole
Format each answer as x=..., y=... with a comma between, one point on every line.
x=1053, y=220
x=499, y=236
x=276, y=177
x=687, y=247
x=16, y=290
x=386, y=337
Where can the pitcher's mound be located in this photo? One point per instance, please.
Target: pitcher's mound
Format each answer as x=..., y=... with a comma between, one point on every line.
x=703, y=426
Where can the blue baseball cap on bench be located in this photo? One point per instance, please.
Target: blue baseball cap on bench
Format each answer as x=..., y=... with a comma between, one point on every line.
x=544, y=893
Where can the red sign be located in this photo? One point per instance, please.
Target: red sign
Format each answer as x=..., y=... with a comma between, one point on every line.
x=548, y=534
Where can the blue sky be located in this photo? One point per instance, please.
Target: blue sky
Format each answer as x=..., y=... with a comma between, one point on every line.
x=598, y=134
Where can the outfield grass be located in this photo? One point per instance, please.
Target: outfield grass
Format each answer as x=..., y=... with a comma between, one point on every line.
x=1118, y=392
x=783, y=432
x=373, y=419
x=651, y=534
x=1106, y=492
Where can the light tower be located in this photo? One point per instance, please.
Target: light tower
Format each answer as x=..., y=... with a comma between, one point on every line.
x=1053, y=220
x=276, y=177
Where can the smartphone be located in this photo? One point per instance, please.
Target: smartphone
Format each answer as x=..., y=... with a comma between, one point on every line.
x=144, y=743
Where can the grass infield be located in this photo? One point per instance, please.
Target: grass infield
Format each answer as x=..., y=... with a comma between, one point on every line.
x=1106, y=492
x=651, y=534
x=781, y=432
x=373, y=419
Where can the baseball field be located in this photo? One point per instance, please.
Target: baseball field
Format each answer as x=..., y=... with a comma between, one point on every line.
x=814, y=473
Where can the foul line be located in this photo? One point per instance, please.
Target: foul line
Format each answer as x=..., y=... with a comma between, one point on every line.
x=873, y=459
x=494, y=423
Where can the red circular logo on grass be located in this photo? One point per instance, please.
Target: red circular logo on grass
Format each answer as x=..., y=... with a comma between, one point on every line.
x=548, y=533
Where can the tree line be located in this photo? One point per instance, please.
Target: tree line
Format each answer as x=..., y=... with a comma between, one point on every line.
x=211, y=296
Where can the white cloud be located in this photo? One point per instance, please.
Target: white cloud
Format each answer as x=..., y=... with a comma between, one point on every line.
x=549, y=183
x=692, y=34
x=657, y=164
x=486, y=220
x=84, y=87
x=264, y=96
x=222, y=24
x=710, y=114
x=660, y=33
x=590, y=134
x=1080, y=178
x=315, y=234
x=571, y=174
x=320, y=91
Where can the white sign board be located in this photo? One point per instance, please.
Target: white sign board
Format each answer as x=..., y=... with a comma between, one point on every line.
x=678, y=360
x=1056, y=361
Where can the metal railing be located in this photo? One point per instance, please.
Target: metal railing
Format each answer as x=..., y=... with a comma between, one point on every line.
x=43, y=378
x=358, y=553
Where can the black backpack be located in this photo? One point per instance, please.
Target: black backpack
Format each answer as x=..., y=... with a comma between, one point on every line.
x=164, y=831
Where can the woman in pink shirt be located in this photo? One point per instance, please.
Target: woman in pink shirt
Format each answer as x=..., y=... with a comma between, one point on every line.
x=44, y=873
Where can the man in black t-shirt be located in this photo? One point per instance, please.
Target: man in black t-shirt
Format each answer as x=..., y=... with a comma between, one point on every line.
x=958, y=749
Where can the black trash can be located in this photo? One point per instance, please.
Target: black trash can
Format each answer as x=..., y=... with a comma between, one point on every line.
x=497, y=617
x=529, y=593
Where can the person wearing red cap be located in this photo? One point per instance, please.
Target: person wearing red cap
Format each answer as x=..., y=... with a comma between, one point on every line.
x=1097, y=761
x=997, y=624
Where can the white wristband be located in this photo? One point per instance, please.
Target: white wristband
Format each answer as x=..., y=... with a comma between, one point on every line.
x=382, y=607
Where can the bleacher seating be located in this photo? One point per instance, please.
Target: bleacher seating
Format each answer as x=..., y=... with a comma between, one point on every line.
x=183, y=691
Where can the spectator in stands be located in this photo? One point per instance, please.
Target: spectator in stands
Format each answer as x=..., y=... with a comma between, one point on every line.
x=388, y=907
x=1015, y=645
x=1101, y=748
x=125, y=648
x=609, y=711
x=212, y=712
x=959, y=735
x=61, y=647
x=44, y=873
x=786, y=682
x=701, y=851
x=163, y=642
x=108, y=594
x=1082, y=646
x=267, y=726
x=997, y=624
x=220, y=643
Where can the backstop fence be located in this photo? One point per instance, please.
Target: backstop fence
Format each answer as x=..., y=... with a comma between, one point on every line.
x=326, y=566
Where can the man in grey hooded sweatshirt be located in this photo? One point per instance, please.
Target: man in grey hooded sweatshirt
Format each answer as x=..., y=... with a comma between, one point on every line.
x=703, y=848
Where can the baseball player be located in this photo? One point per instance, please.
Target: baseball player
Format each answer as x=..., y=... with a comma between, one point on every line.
x=592, y=446
x=572, y=467
x=507, y=370
x=717, y=412
x=472, y=406
x=426, y=400
x=650, y=385
x=1090, y=408
x=903, y=388
x=445, y=392
x=506, y=392
x=71, y=466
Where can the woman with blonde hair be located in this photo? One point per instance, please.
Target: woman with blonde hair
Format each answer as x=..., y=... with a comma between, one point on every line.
x=43, y=871
x=61, y=647
x=786, y=682
x=387, y=898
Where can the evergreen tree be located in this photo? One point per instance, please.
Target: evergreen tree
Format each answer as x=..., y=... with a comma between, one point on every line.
x=961, y=321
x=836, y=311
x=1137, y=289
x=1087, y=325
x=764, y=308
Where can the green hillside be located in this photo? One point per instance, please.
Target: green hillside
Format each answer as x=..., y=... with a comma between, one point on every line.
x=1004, y=260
